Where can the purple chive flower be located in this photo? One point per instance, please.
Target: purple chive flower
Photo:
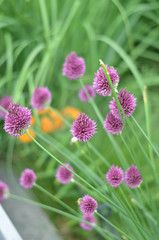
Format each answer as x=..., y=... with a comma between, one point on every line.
x=127, y=101
x=83, y=96
x=83, y=128
x=91, y=219
x=4, y=191
x=63, y=175
x=115, y=176
x=113, y=124
x=4, y=102
x=88, y=205
x=74, y=66
x=41, y=98
x=27, y=178
x=17, y=120
x=101, y=84
x=132, y=177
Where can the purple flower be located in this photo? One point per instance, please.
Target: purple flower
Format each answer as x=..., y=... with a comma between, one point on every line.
x=132, y=177
x=83, y=128
x=63, y=175
x=115, y=176
x=4, y=102
x=113, y=124
x=83, y=96
x=88, y=205
x=27, y=178
x=4, y=191
x=91, y=219
x=101, y=84
x=17, y=120
x=74, y=67
x=41, y=98
x=127, y=101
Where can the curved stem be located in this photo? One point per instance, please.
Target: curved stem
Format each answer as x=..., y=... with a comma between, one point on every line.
x=55, y=198
x=84, y=181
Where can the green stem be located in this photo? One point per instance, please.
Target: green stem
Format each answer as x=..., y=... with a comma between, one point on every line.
x=106, y=220
x=55, y=210
x=144, y=134
x=3, y=109
x=55, y=198
x=122, y=113
x=118, y=152
x=84, y=181
x=65, y=152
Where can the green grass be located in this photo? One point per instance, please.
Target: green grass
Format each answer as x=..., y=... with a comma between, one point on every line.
x=35, y=37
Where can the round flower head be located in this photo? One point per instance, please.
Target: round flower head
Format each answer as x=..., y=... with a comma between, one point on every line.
x=41, y=98
x=63, y=175
x=132, y=177
x=74, y=66
x=101, y=84
x=83, y=96
x=4, y=191
x=88, y=205
x=4, y=102
x=91, y=219
x=17, y=120
x=112, y=124
x=83, y=128
x=27, y=178
x=115, y=176
x=127, y=101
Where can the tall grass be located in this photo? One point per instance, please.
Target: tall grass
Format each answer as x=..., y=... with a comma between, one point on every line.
x=35, y=38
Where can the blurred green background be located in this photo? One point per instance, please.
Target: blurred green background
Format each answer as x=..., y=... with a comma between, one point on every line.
x=35, y=38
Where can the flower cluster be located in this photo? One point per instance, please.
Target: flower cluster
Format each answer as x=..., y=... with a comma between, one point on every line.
x=63, y=175
x=90, y=219
x=88, y=206
x=41, y=98
x=27, y=178
x=17, y=120
x=82, y=93
x=101, y=84
x=127, y=101
x=4, y=191
x=83, y=128
x=113, y=123
x=115, y=176
x=74, y=66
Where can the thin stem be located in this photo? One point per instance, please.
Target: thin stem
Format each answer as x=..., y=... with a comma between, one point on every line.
x=55, y=198
x=51, y=155
x=78, y=219
x=106, y=220
x=65, y=152
x=144, y=134
x=3, y=109
x=122, y=114
x=118, y=152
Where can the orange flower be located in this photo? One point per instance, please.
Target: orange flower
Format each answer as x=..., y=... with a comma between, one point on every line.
x=50, y=121
x=71, y=112
x=42, y=112
x=47, y=125
x=25, y=138
x=32, y=120
x=57, y=120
